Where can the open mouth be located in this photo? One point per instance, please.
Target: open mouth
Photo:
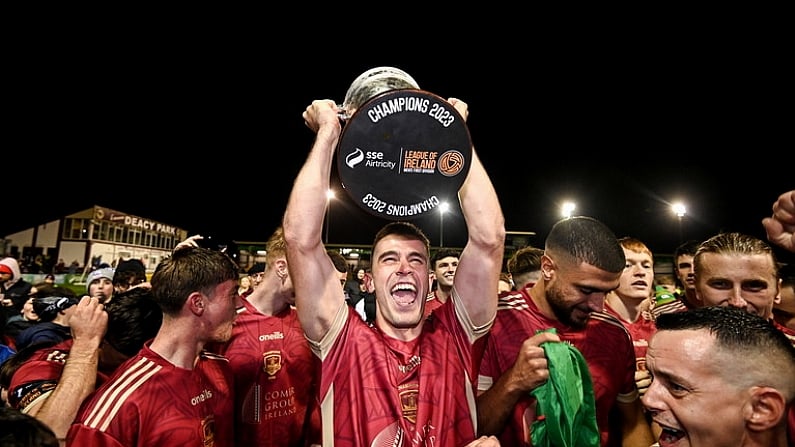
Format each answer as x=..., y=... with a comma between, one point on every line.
x=670, y=436
x=404, y=294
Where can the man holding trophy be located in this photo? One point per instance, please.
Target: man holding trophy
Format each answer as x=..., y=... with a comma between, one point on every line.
x=407, y=380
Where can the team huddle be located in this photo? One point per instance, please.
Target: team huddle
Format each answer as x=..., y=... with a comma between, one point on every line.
x=293, y=364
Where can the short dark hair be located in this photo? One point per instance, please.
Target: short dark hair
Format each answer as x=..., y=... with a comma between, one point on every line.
x=134, y=317
x=526, y=259
x=734, y=329
x=444, y=253
x=339, y=261
x=748, y=350
x=129, y=273
x=585, y=239
x=18, y=429
x=258, y=267
x=686, y=248
x=188, y=270
x=404, y=229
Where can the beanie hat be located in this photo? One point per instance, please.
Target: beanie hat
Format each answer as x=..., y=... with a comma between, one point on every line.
x=5, y=269
x=106, y=272
x=47, y=308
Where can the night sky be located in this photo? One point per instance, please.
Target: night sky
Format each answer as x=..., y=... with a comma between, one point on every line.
x=211, y=142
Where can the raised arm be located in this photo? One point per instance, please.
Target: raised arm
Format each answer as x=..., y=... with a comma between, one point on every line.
x=317, y=288
x=780, y=227
x=480, y=263
x=88, y=324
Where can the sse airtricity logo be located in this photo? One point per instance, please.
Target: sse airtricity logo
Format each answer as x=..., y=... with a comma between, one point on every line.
x=354, y=158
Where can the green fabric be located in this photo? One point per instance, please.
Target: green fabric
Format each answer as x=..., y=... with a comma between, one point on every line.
x=662, y=296
x=565, y=412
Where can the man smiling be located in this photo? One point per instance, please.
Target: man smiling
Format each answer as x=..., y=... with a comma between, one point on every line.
x=721, y=377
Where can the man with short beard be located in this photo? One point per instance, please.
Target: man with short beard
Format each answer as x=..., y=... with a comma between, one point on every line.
x=582, y=262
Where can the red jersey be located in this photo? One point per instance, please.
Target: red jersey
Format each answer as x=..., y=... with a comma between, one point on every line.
x=432, y=302
x=37, y=377
x=376, y=390
x=676, y=305
x=641, y=331
x=604, y=343
x=787, y=331
x=150, y=402
x=791, y=425
x=275, y=378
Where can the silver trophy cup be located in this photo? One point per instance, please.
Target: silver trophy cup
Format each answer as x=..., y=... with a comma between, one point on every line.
x=372, y=83
x=403, y=151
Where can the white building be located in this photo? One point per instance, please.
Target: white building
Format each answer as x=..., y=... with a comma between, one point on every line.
x=94, y=236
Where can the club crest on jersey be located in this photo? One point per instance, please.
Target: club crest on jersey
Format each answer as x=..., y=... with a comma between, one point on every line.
x=272, y=363
x=408, y=402
x=208, y=431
